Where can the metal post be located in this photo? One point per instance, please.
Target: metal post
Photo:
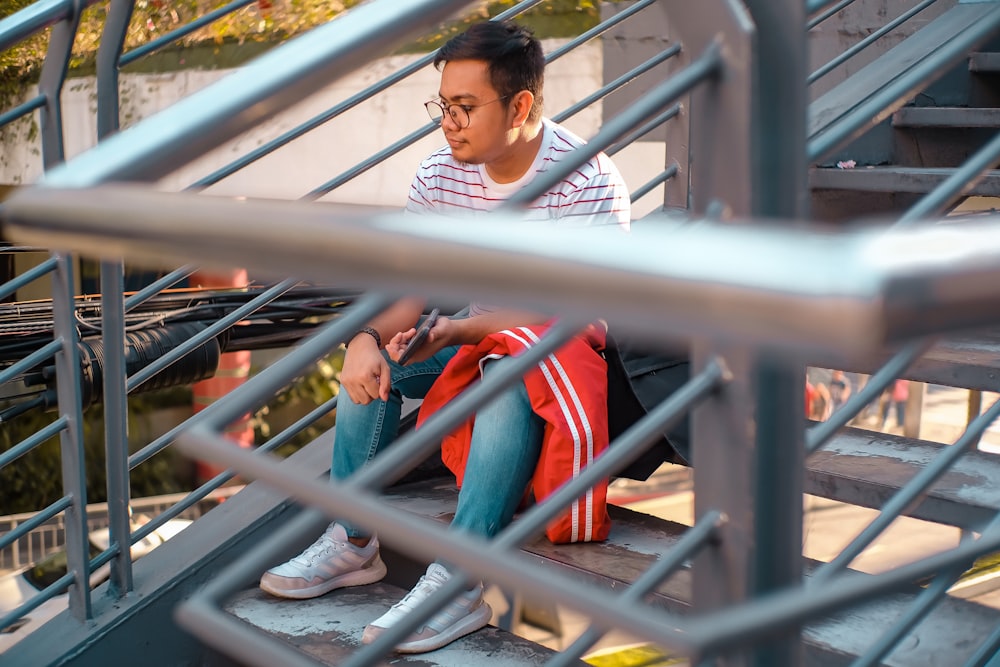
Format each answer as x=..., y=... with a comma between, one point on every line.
x=778, y=176
x=113, y=319
x=67, y=362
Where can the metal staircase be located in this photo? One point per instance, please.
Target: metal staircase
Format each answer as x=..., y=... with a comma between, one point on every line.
x=756, y=302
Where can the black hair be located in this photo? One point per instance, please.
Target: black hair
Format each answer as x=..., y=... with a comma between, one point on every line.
x=512, y=52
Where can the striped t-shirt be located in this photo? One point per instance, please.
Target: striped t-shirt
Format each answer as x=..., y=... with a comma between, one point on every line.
x=595, y=194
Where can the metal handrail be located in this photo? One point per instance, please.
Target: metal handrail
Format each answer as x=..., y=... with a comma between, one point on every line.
x=23, y=109
x=27, y=277
x=831, y=138
x=211, y=331
x=381, y=156
x=824, y=10
x=694, y=539
x=177, y=33
x=32, y=441
x=652, y=183
x=35, y=521
x=316, y=121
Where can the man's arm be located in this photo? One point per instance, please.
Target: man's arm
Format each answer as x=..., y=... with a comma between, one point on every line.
x=365, y=375
x=468, y=331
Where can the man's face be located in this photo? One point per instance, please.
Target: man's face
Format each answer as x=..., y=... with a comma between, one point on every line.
x=467, y=83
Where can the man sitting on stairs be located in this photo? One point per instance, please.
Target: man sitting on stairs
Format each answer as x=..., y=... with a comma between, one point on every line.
x=490, y=108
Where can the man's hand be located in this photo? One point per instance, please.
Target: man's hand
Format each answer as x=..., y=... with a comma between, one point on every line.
x=365, y=375
x=439, y=337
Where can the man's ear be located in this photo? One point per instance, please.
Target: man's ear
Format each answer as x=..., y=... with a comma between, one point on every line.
x=523, y=102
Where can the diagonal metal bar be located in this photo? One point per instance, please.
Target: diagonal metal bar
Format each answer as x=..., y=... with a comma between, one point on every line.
x=624, y=79
x=38, y=519
x=870, y=39
x=281, y=77
x=821, y=5
x=28, y=277
x=415, y=446
x=908, y=494
x=429, y=539
x=649, y=185
x=22, y=109
x=338, y=109
x=174, y=35
x=263, y=385
x=624, y=451
x=32, y=441
x=704, y=68
x=644, y=130
x=703, y=531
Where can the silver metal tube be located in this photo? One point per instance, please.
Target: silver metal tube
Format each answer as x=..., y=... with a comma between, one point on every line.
x=964, y=177
x=850, y=292
x=817, y=5
x=624, y=79
x=263, y=385
x=873, y=108
x=174, y=35
x=41, y=354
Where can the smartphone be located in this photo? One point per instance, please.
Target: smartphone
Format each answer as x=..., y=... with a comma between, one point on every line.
x=419, y=337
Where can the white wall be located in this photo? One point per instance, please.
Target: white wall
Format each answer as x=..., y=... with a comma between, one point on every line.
x=293, y=171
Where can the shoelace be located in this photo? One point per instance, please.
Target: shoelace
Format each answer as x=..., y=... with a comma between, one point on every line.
x=428, y=584
x=317, y=549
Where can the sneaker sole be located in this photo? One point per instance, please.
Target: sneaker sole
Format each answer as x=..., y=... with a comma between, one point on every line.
x=474, y=621
x=369, y=575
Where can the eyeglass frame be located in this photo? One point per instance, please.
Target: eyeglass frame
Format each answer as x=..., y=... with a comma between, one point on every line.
x=466, y=109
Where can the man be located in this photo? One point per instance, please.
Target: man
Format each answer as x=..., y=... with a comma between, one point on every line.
x=490, y=108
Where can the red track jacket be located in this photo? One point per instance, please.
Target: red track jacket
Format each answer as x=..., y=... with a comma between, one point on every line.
x=569, y=391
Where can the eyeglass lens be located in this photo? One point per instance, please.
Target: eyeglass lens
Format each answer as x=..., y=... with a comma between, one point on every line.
x=458, y=114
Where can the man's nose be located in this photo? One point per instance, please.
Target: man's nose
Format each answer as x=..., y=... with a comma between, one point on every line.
x=450, y=120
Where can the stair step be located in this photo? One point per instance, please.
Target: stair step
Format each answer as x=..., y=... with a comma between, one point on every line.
x=920, y=180
x=983, y=61
x=946, y=117
x=969, y=361
x=956, y=32
x=329, y=627
x=866, y=468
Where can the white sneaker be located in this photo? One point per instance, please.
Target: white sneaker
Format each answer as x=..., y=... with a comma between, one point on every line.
x=331, y=562
x=466, y=613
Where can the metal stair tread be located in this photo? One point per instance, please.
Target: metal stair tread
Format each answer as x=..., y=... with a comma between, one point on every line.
x=636, y=539
x=946, y=117
x=866, y=468
x=328, y=629
x=894, y=178
x=968, y=361
x=957, y=24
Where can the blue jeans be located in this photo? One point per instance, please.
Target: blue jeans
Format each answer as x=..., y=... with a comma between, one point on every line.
x=506, y=443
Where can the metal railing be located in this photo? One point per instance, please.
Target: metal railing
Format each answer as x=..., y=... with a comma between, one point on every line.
x=654, y=283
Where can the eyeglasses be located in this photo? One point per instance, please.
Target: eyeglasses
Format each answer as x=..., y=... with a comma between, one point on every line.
x=459, y=113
